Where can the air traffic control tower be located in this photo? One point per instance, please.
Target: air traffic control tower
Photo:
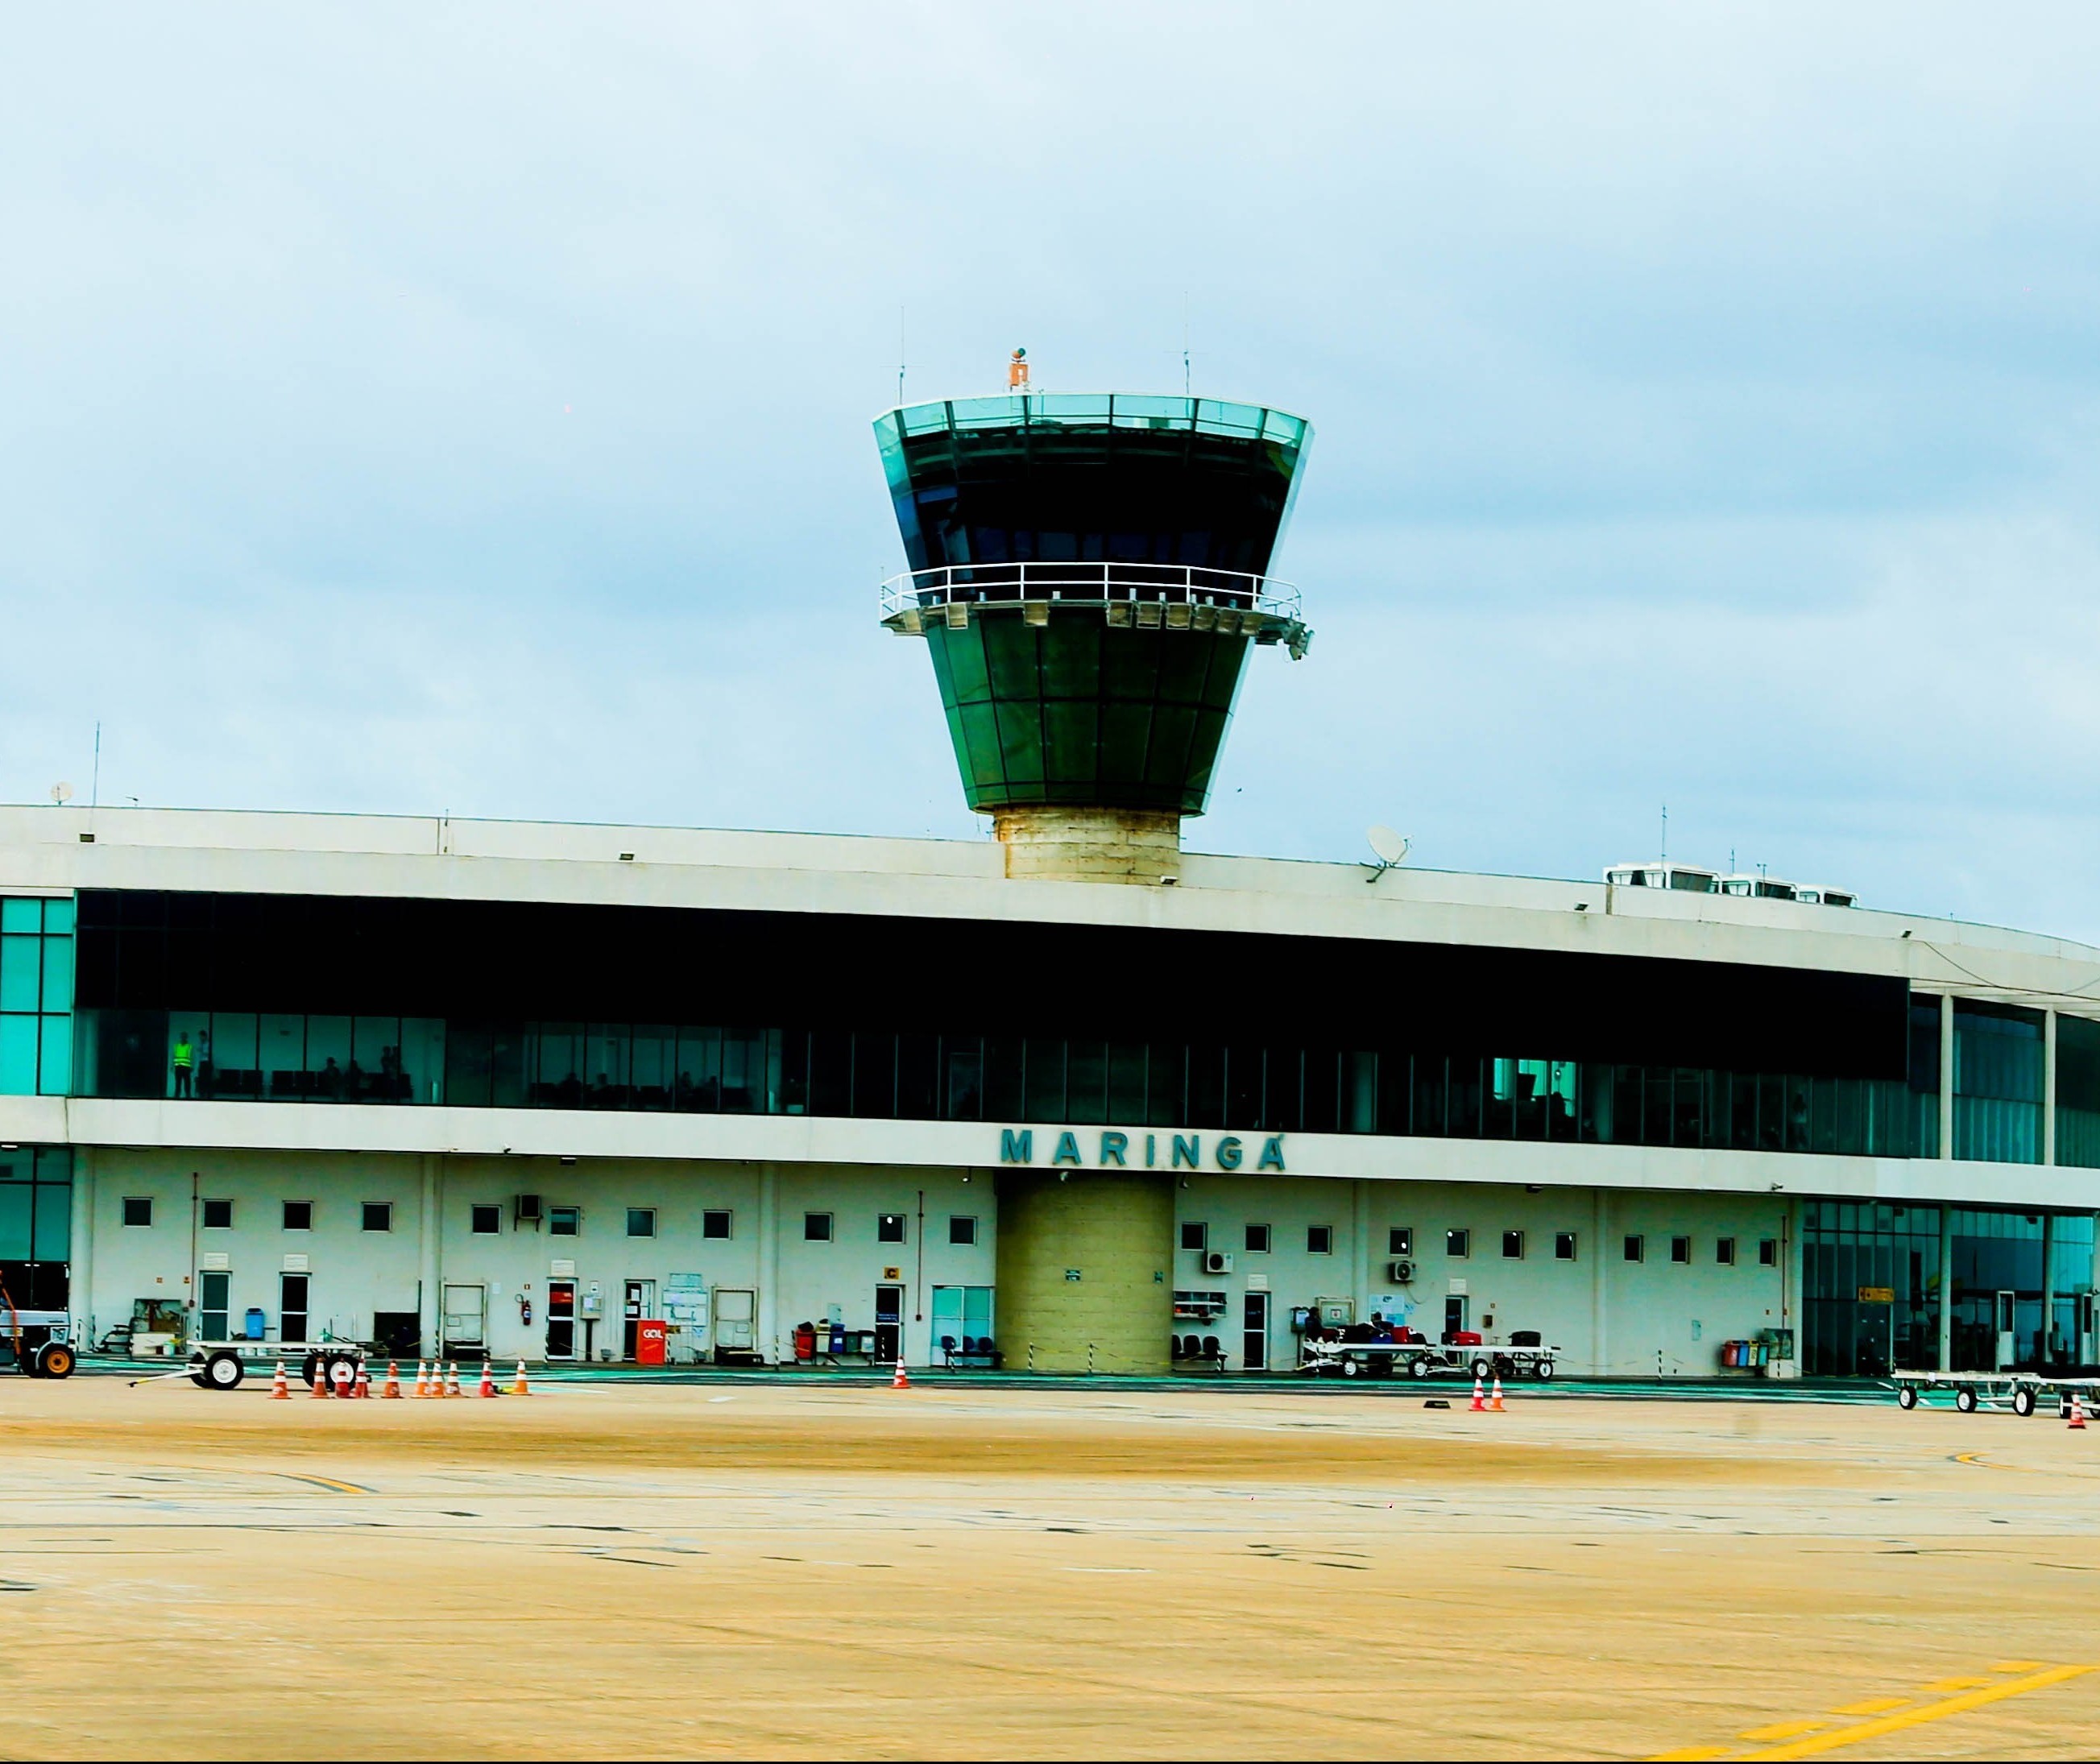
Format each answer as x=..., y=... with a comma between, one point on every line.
x=1089, y=572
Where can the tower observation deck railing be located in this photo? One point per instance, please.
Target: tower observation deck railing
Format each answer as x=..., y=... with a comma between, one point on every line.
x=1171, y=595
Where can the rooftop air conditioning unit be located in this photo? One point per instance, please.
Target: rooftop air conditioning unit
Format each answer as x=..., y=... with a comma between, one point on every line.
x=527, y=1210
x=1400, y=1273
x=1217, y=1261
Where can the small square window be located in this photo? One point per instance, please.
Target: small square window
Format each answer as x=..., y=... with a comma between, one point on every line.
x=485, y=1221
x=564, y=1221
x=1563, y=1246
x=378, y=1215
x=962, y=1229
x=1724, y=1251
x=1257, y=1240
x=1458, y=1244
x=138, y=1209
x=298, y=1215
x=1195, y=1234
x=1636, y=1249
x=1513, y=1246
x=816, y=1228
x=715, y=1223
x=1680, y=1249
x=889, y=1228
x=1399, y=1240
x=1319, y=1240
x=1767, y=1252
x=641, y=1221
x=218, y=1215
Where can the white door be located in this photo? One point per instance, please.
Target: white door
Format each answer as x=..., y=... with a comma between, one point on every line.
x=736, y=1320
x=2004, y=1357
x=465, y=1322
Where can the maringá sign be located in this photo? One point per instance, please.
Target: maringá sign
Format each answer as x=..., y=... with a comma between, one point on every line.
x=1016, y=1145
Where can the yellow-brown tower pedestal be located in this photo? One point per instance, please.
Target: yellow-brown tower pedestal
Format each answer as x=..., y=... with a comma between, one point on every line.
x=1085, y=1267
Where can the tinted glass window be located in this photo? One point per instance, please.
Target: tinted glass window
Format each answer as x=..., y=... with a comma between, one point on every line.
x=889, y=1228
x=298, y=1215
x=486, y=1221
x=962, y=1229
x=641, y=1221
x=816, y=1228
x=1195, y=1234
x=1458, y=1244
x=1399, y=1240
x=218, y=1215
x=1320, y=1240
x=1257, y=1240
x=378, y=1215
x=1513, y=1245
x=138, y=1209
x=714, y=1224
x=1563, y=1246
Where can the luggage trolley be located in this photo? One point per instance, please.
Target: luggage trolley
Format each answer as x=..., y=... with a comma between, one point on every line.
x=2019, y=1392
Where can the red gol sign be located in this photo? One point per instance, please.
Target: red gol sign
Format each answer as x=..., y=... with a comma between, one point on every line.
x=649, y=1335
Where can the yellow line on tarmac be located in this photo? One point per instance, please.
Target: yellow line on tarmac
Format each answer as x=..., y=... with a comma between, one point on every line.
x=1915, y=1718
x=330, y=1483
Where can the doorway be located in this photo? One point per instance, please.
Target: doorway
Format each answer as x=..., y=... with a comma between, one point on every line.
x=639, y=1302
x=1254, y=1336
x=561, y=1320
x=736, y=1324
x=2004, y=1360
x=888, y=1323
x=463, y=1324
x=291, y=1313
x=1454, y=1315
x=212, y=1305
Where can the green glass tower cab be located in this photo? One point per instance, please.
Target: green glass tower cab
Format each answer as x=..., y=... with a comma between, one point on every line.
x=1089, y=572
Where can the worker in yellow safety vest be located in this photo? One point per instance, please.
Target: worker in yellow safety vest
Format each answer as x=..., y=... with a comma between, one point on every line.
x=185, y=1059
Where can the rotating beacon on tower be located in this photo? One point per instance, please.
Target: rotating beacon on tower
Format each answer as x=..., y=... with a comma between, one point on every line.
x=1089, y=571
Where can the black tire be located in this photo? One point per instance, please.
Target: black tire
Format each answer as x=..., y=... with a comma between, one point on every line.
x=1352, y=1367
x=1542, y=1369
x=1965, y=1399
x=1483, y=1369
x=223, y=1372
x=307, y=1368
x=55, y=1360
x=1907, y=1397
x=342, y=1386
x=1418, y=1367
x=2024, y=1401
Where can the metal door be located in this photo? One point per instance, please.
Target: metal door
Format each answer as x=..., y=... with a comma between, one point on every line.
x=1454, y=1314
x=889, y=1322
x=736, y=1321
x=561, y=1320
x=212, y=1307
x=639, y=1302
x=464, y=1323
x=2005, y=1320
x=1254, y=1338
x=291, y=1315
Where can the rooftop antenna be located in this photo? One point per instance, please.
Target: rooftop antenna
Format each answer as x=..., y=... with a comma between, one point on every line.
x=61, y=794
x=1185, y=390
x=900, y=355
x=95, y=786
x=1016, y=371
x=1389, y=847
x=1666, y=833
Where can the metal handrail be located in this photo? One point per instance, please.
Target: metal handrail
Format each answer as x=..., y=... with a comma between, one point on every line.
x=1090, y=584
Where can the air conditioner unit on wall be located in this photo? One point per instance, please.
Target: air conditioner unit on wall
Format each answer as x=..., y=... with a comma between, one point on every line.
x=526, y=1210
x=1217, y=1262
x=1400, y=1273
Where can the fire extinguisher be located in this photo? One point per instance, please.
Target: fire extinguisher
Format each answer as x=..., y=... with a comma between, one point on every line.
x=525, y=1310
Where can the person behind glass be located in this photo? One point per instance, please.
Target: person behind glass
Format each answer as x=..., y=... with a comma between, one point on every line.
x=185, y=1062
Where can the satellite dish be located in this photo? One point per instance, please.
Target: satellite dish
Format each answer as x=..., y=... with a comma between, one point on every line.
x=1392, y=848
x=61, y=793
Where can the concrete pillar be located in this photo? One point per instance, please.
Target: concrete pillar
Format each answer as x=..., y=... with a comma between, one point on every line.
x=2048, y=1291
x=1600, y=1262
x=431, y=1320
x=769, y=1262
x=1947, y=1075
x=2048, y=1087
x=1359, y=1250
x=79, y=1248
x=1083, y=1271
x=1947, y=1287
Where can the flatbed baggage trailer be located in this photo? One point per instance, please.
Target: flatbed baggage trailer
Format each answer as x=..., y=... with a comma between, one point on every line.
x=2019, y=1392
x=221, y=1365
x=1423, y=1360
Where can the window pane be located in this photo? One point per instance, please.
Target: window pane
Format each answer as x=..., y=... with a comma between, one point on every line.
x=18, y=1055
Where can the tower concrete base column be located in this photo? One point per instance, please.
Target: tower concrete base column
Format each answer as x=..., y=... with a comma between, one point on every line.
x=1085, y=844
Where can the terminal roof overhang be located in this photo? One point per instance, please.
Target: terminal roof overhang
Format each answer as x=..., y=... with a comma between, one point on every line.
x=915, y=884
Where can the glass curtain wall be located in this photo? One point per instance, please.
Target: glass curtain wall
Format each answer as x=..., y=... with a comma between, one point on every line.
x=36, y=997
x=2078, y=1092
x=36, y=1224
x=1999, y=1059
x=1847, y=1247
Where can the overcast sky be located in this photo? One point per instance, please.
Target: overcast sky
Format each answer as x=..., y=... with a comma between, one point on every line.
x=466, y=408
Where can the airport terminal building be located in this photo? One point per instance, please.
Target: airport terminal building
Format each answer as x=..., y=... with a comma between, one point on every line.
x=1070, y=1096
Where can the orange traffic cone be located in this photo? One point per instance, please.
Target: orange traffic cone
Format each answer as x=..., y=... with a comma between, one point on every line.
x=2077, y=1411
x=1495, y=1402
x=393, y=1386
x=488, y=1380
x=363, y=1385
x=280, y=1389
x=422, y=1380
x=320, y=1378
x=899, y=1382
x=519, y=1387
x=1479, y=1407
x=451, y=1380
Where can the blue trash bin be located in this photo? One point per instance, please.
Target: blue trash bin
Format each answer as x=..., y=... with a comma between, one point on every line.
x=254, y=1323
